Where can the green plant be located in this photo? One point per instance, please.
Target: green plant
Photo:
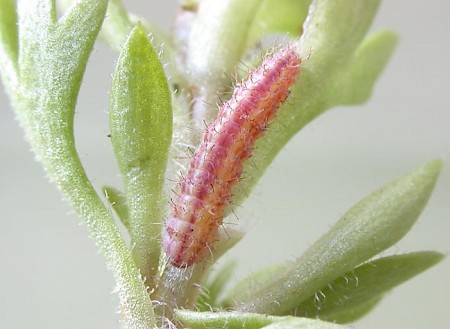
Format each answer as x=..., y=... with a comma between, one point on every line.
x=42, y=62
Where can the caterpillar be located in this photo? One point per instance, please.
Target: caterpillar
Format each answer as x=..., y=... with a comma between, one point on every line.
x=216, y=166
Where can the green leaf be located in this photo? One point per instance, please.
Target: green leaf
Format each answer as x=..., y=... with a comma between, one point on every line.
x=278, y=16
x=356, y=84
x=35, y=19
x=8, y=45
x=141, y=131
x=215, y=287
x=339, y=67
x=351, y=296
x=302, y=323
x=229, y=320
x=119, y=23
x=371, y=226
x=8, y=28
x=118, y=202
x=236, y=320
x=357, y=312
x=116, y=26
x=246, y=288
x=364, y=284
x=217, y=41
x=52, y=59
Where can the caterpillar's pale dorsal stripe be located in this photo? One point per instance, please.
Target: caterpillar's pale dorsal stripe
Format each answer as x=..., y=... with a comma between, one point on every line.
x=205, y=190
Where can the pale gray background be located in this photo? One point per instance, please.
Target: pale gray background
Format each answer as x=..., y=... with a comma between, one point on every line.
x=52, y=276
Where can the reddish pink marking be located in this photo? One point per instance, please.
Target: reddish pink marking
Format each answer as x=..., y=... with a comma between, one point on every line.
x=216, y=166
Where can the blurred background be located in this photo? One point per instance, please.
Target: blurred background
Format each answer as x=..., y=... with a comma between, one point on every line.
x=52, y=275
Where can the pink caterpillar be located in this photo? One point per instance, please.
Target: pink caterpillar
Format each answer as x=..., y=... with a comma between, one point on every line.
x=216, y=166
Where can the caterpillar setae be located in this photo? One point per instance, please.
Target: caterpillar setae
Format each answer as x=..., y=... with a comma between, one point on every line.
x=205, y=191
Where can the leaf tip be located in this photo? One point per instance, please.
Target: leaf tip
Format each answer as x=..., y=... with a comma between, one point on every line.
x=431, y=170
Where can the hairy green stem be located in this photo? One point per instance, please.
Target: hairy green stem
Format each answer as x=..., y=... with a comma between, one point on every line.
x=52, y=59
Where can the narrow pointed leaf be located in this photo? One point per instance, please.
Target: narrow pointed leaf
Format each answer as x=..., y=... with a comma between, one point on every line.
x=355, y=86
x=371, y=226
x=215, y=287
x=252, y=283
x=247, y=287
x=141, y=130
x=278, y=16
x=357, y=312
x=364, y=284
x=220, y=280
x=117, y=26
